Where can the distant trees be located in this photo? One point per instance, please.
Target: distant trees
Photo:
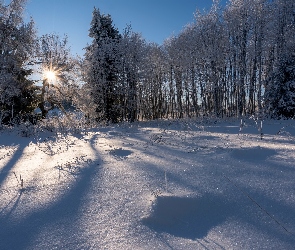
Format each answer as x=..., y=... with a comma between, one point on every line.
x=230, y=62
x=17, y=40
x=236, y=61
x=152, y=91
x=131, y=73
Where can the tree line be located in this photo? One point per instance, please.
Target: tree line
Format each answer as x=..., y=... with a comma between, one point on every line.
x=232, y=61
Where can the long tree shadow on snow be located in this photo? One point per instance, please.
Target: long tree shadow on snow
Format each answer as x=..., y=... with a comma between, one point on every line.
x=17, y=154
x=59, y=221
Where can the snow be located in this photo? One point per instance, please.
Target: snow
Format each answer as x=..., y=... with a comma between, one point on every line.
x=150, y=185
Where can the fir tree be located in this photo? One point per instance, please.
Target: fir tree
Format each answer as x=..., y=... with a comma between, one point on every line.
x=280, y=92
x=102, y=63
x=17, y=93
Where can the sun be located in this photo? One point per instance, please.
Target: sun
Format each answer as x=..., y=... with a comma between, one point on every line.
x=50, y=75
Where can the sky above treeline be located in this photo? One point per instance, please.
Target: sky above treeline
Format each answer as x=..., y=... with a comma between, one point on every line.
x=156, y=20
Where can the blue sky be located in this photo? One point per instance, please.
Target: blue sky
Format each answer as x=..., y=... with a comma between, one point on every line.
x=156, y=20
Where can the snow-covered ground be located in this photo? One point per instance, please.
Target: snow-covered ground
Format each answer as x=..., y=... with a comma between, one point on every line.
x=150, y=185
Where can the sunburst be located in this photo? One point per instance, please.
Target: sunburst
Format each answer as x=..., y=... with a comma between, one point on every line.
x=53, y=74
x=50, y=75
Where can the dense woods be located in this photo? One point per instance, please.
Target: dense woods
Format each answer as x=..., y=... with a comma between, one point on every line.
x=236, y=61
x=232, y=61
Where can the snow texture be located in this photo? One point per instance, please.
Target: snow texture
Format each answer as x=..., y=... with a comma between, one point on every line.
x=150, y=185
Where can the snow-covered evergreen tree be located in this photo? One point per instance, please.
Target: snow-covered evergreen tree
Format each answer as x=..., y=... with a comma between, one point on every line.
x=280, y=92
x=279, y=95
x=102, y=60
x=16, y=48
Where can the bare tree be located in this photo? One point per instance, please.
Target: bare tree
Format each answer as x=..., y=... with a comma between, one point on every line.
x=59, y=70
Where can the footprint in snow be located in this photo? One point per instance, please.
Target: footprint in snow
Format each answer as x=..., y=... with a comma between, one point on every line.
x=120, y=153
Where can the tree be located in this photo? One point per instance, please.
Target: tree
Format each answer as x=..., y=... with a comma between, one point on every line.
x=59, y=70
x=102, y=60
x=17, y=39
x=213, y=44
x=228, y=62
x=132, y=70
x=237, y=19
x=152, y=94
x=279, y=86
x=175, y=55
x=280, y=94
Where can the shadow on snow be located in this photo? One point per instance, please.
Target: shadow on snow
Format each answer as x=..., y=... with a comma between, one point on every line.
x=59, y=220
x=185, y=217
x=21, y=144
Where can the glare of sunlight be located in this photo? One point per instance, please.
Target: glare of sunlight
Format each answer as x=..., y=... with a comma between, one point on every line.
x=50, y=75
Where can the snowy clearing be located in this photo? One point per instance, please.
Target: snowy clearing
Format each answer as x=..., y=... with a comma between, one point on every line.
x=150, y=185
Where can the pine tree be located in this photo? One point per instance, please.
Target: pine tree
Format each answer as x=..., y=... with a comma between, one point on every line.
x=280, y=92
x=17, y=92
x=280, y=88
x=102, y=63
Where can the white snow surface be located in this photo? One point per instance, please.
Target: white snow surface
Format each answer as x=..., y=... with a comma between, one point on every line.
x=186, y=184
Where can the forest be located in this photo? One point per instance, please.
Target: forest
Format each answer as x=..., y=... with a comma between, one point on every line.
x=187, y=144
x=232, y=61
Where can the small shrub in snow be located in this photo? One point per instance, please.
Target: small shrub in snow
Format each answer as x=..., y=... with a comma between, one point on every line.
x=72, y=122
x=73, y=166
x=20, y=180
